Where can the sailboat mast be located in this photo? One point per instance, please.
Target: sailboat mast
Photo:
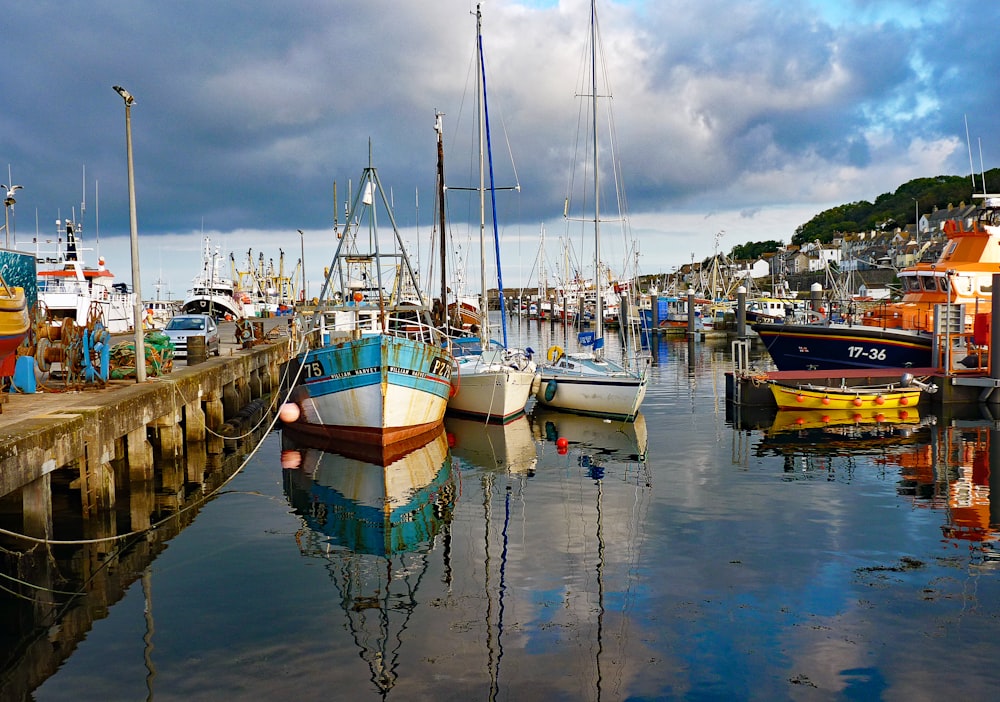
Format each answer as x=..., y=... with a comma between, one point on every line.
x=439, y=127
x=597, y=201
x=485, y=130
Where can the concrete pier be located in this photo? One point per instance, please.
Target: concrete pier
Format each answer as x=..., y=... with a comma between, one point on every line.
x=112, y=437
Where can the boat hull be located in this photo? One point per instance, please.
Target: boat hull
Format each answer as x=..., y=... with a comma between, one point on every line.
x=14, y=325
x=591, y=387
x=377, y=389
x=816, y=347
x=861, y=398
x=219, y=306
x=487, y=388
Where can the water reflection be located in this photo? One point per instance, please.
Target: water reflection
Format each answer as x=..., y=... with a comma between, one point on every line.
x=506, y=447
x=373, y=525
x=950, y=465
x=624, y=440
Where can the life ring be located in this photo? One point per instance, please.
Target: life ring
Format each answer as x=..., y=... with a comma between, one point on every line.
x=554, y=354
x=550, y=389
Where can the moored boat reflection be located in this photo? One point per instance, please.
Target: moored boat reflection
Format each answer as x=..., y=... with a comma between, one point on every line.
x=488, y=445
x=374, y=526
x=625, y=440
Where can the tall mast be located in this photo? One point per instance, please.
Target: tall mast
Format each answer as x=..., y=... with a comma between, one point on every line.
x=597, y=202
x=439, y=128
x=485, y=131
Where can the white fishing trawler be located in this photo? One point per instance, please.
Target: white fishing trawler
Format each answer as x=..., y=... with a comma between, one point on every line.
x=212, y=291
x=68, y=288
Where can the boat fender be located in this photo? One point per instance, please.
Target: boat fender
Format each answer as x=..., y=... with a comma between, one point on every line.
x=550, y=389
x=554, y=354
x=536, y=382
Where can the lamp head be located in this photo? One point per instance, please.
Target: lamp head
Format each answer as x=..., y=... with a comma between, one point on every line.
x=126, y=95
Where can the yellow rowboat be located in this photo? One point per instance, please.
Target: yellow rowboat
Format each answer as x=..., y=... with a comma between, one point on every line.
x=819, y=397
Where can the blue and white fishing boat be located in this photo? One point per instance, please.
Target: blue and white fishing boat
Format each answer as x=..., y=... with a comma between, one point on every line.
x=377, y=370
x=590, y=383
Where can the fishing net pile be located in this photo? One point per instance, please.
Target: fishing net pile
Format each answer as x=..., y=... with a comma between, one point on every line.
x=159, y=356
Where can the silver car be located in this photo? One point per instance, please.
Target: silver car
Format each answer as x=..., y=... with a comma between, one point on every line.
x=181, y=326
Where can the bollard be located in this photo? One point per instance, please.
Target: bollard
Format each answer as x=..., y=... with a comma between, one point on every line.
x=196, y=350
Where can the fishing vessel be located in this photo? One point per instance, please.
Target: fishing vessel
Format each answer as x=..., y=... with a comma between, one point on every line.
x=491, y=380
x=901, y=334
x=376, y=370
x=67, y=287
x=590, y=382
x=213, y=292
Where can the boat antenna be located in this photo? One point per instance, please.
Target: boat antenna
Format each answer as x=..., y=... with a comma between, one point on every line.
x=83, y=203
x=982, y=168
x=97, y=216
x=336, y=223
x=972, y=168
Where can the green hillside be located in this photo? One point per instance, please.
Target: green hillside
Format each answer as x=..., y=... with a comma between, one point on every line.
x=896, y=209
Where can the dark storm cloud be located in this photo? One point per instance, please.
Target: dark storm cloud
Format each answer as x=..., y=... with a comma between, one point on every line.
x=248, y=111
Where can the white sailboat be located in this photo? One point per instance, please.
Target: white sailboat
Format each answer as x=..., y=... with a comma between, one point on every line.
x=491, y=381
x=589, y=382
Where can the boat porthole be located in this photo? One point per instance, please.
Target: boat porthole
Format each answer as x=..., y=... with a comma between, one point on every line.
x=550, y=390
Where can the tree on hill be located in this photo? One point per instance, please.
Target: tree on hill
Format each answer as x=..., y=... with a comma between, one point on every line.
x=752, y=250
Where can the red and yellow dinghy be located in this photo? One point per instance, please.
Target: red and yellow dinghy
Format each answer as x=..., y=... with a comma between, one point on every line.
x=817, y=397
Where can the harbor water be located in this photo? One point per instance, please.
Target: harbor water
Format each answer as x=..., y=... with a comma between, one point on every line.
x=697, y=554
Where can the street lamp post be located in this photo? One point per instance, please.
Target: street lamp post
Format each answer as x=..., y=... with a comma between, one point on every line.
x=140, y=347
x=916, y=218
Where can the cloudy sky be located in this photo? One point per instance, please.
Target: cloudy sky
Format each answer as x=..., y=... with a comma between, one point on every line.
x=734, y=121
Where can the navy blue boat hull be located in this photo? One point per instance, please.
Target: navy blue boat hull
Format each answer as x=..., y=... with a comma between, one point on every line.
x=815, y=347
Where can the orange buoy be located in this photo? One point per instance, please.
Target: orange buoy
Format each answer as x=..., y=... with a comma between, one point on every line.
x=290, y=459
x=562, y=442
x=825, y=418
x=879, y=400
x=904, y=400
x=858, y=402
x=800, y=420
x=826, y=400
x=903, y=414
x=800, y=398
x=289, y=412
x=880, y=417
